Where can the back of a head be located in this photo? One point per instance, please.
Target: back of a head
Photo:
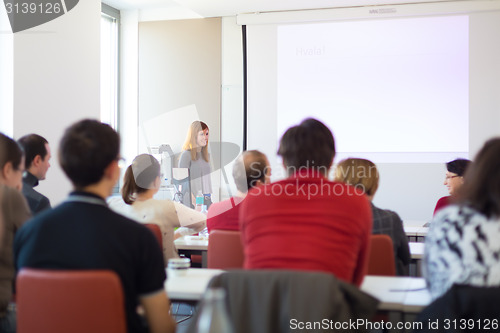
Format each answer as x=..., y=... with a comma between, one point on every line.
x=458, y=166
x=308, y=145
x=140, y=176
x=86, y=150
x=250, y=167
x=33, y=145
x=359, y=173
x=10, y=151
x=481, y=188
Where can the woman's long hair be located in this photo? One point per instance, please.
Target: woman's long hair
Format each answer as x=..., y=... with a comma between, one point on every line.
x=139, y=177
x=192, y=135
x=481, y=188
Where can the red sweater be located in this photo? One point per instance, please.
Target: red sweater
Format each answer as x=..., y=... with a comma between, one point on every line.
x=306, y=222
x=224, y=215
x=443, y=202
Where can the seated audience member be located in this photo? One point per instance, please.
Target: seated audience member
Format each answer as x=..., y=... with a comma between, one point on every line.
x=14, y=212
x=83, y=233
x=37, y=157
x=141, y=182
x=462, y=243
x=305, y=221
x=250, y=169
x=453, y=180
x=364, y=175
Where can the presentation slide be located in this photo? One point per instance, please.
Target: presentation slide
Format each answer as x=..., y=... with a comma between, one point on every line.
x=390, y=90
x=410, y=92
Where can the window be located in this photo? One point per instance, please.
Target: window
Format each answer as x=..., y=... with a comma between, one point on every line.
x=110, y=24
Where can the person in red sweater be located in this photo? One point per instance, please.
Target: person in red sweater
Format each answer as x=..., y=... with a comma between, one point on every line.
x=455, y=171
x=250, y=169
x=306, y=222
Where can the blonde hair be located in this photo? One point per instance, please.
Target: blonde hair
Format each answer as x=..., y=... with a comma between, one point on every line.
x=359, y=173
x=190, y=143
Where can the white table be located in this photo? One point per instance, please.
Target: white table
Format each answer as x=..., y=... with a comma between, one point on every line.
x=417, y=250
x=417, y=297
x=417, y=254
x=416, y=233
x=405, y=294
x=394, y=293
x=191, y=286
x=194, y=244
x=380, y=286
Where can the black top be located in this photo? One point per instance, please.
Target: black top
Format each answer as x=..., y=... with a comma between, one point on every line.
x=389, y=223
x=83, y=233
x=37, y=201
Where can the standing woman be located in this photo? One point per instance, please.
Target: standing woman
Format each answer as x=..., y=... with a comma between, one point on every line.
x=195, y=157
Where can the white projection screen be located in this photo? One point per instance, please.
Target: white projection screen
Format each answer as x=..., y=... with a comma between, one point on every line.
x=409, y=87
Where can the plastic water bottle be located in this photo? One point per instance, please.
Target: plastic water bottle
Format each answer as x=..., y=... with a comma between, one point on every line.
x=199, y=201
x=204, y=232
x=214, y=317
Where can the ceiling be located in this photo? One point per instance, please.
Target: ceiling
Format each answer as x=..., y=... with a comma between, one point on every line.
x=216, y=8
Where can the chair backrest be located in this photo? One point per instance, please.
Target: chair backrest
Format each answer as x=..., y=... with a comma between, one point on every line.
x=76, y=301
x=381, y=259
x=269, y=301
x=462, y=304
x=225, y=250
x=156, y=231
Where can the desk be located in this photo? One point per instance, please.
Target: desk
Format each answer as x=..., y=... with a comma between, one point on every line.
x=404, y=294
x=416, y=233
x=417, y=250
x=417, y=297
x=417, y=254
x=394, y=293
x=191, y=286
x=194, y=245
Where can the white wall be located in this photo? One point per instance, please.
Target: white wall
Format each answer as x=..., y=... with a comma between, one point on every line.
x=7, y=74
x=129, y=83
x=179, y=82
x=56, y=82
x=232, y=98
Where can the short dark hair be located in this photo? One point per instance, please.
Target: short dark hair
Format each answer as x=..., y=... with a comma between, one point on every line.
x=33, y=145
x=309, y=144
x=10, y=151
x=481, y=188
x=86, y=150
x=248, y=168
x=458, y=166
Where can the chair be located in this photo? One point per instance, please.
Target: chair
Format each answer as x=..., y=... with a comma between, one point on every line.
x=463, y=308
x=156, y=231
x=76, y=301
x=273, y=301
x=225, y=250
x=381, y=258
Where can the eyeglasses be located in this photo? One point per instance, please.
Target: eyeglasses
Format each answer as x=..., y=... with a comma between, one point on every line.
x=450, y=177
